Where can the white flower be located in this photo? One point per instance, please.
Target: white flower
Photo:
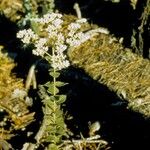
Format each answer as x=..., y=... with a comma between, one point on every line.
x=60, y=48
x=26, y=36
x=59, y=62
x=52, y=16
x=52, y=31
x=51, y=23
x=40, y=47
x=48, y=18
x=73, y=42
x=21, y=33
x=77, y=39
x=41, y=41
x=60, y=38
x=74, y=26
x=40, y=51
x=71, y=33
x=57, y=23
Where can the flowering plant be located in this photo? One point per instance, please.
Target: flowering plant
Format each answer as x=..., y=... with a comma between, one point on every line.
x=47, y=36
x=50, y=38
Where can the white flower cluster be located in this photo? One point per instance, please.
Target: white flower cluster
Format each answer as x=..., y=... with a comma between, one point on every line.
x=49, y=18
x=40, y=47
x=75, y=38
x=26, y=36
x=54, y=39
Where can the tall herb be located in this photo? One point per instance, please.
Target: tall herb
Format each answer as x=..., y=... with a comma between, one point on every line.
x=50, y=37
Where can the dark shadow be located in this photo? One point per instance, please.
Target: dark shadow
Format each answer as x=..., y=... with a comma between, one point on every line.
x=91, y=101
x=8, y=31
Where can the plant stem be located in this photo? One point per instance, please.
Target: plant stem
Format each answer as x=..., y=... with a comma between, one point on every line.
x=54, y=71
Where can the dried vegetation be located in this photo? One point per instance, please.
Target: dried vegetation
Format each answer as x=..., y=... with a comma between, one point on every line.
x=14, y=111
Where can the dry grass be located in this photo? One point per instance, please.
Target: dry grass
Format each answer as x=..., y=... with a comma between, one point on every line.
x=118, y=68
x=12, y=9
x=14, y=111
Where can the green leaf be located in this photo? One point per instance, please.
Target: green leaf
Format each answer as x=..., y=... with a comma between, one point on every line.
x=57, y=84
x=47, y=84
x=60, y=84
x=53, y=98
x=52, y=138
x=53, y=90
x=52, y=147
x=35, y=27
x=62, y=99
x=54, y=74
x=58, y=98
